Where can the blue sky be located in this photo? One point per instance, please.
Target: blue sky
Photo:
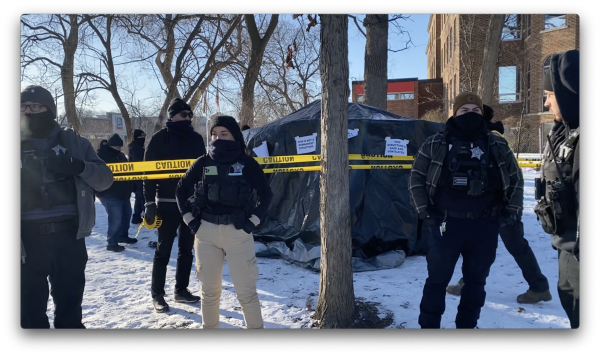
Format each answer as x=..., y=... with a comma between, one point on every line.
x=409, y=63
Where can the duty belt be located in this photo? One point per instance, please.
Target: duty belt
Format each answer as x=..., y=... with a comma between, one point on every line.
x=49, y=228
x=465, y=215
x=218, y=219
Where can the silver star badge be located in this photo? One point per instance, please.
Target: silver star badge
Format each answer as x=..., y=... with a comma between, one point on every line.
x=59, y=148
x=476, y=152
x=237, y=169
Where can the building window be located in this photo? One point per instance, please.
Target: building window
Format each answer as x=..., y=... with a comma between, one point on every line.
x=455, y=86
x=554, y=21
x=528, y=89
x=512, y=28
x=544, y=71
x=360, y=98
x=119, y=123
x=527, y=25
x=400, y=96
x=509, y=85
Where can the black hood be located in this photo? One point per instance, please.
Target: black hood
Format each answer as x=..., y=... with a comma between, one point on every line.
x=564, y=73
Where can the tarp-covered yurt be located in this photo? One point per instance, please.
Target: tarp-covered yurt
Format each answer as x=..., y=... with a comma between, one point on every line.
x=384, y=224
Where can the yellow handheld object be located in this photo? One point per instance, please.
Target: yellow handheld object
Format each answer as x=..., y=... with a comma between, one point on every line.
x=155, y=225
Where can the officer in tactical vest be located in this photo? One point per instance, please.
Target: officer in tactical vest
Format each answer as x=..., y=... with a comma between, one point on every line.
x=177, y=140
x=59, y=173
x=465, y=183
x=557, y=190
x=223, y=196
x=514, y=240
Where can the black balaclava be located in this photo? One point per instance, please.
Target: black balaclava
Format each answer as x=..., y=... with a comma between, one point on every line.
x=38, y=125
x=225, y=151
x=467, y=127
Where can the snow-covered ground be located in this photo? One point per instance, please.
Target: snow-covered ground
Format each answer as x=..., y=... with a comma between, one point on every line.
x=117, y=293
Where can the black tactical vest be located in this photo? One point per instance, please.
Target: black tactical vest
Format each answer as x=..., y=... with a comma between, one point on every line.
x=41, y=188
x=562, y=196
x=224, y=185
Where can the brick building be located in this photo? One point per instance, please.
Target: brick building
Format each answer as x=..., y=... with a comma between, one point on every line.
x=409, y=97
x=455, y=52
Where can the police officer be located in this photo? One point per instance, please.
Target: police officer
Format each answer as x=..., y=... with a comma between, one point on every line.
x=463, y=183
x=59, y=173
x=514, y=240
x=223, y=197
x=177, y=140
x=558, y=187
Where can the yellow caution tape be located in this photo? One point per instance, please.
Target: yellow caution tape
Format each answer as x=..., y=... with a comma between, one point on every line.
x=317, y=158
x=380, y=166
x=150, y=166
x=155, y=225
x=148, y=177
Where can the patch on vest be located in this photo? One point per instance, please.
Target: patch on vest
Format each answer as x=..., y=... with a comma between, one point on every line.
x=237, y=169
x=476, y=153
x=59, y=148
x=460, y=181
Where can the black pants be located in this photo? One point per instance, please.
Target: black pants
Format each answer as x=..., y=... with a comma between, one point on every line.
x=62, y=258
x=568, y=286
x=477, y=241
x=516, y=244
x=138, y=207
x=171, y=221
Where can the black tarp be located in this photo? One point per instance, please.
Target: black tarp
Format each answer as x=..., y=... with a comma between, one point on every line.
x=383, y=221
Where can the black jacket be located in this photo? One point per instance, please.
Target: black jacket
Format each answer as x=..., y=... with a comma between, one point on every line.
x=252, y=173
x=121, y=190
x=169, y=144
x=136, y=150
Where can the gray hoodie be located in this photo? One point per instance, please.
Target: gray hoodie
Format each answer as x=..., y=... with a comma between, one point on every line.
x=95, y=176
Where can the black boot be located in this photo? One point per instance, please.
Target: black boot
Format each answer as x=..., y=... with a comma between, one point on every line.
x=128, y=240
x=186, y=297
x=160, y=305
x=115, y=248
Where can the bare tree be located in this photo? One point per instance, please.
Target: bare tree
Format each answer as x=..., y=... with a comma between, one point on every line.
x=485, y=86
x=52, y=41
x=189, y=51
x=376, y=49
x=335, y=307
x=259, y=44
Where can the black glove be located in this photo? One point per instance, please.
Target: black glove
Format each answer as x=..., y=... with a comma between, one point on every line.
x=194, y=225
x=65, y=164
x=249, y=226
x=150, y=213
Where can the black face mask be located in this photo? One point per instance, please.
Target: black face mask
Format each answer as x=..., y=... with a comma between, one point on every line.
x=39, y=125
x=180, y=127
x=469, y=122
x=224, y=151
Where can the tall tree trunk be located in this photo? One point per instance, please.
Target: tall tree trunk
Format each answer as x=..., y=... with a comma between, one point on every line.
x=256, y=56
x=376, y=51
x=493, y=40
x=335, y=308
x=67, y=73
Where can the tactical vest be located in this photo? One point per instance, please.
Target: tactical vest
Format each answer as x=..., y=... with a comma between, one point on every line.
x=223, y=184
x=41, y=188
x=468, y=167
x=561, y=198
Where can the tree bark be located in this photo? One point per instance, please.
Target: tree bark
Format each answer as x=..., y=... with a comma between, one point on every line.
x=493, y=40
x=376, y=55
x=256, y=56
x=67, y=73
x=335, y=307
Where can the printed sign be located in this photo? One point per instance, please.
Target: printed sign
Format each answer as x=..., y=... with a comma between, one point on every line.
x=262, y=150
x=352, y=133
x=306, y=144
x=396, y=147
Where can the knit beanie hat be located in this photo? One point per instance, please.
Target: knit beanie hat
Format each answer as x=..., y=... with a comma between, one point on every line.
x=230, y=124
x=115, y=140
x=466, y=98
x=40, y=95
x=138, y=134
x=177, y=105
x=548, y=81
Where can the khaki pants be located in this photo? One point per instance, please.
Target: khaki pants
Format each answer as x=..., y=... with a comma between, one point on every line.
x=212, y=243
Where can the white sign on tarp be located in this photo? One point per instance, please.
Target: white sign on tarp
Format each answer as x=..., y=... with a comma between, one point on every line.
x=396, y=147
x=306, y=144
x=352, y=133
x=262, y=150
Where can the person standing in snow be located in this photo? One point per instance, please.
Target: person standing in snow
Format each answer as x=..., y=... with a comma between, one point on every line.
x=136, y=154
x=512, y=236
x=59, y=172
x=558, y=187
x=223, y=196
x=465, y=183
x=116, y=198
x=177, y=140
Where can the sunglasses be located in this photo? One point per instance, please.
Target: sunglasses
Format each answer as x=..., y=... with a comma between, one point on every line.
x=32, y=107
x=186, y=114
